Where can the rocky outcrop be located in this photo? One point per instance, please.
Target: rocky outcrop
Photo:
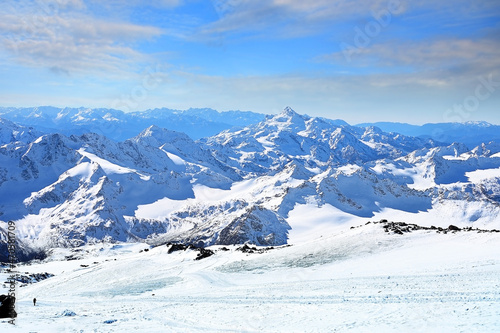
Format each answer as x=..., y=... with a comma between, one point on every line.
x=7, y=306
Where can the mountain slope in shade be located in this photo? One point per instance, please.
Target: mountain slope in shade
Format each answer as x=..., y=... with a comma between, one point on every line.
x=12, y=133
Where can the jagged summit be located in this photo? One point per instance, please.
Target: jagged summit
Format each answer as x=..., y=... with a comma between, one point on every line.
x=288, y=120
x=288, y=111
x=156, y=135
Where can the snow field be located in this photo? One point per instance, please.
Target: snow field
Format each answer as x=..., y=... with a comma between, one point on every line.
x=359, y=280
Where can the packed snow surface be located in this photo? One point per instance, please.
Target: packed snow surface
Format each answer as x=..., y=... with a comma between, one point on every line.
x=359, y=279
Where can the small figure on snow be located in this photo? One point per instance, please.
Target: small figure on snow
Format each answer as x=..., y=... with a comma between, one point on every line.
x=34, y=301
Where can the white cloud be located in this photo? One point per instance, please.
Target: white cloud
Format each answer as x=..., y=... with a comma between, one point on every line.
x=437, y=61
x=132, y=3
x=298, y=18
x=62, y=36
x=289, y=18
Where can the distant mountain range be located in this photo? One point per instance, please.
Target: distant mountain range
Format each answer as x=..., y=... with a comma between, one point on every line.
x=470, y=133
x=66, y=188
x=118, y=125
x=199, y=123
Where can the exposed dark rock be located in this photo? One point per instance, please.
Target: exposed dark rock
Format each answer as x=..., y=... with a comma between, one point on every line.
x=68, y=313
x=252, y=249
x=259, y=226
x=401, y=228
x=176, y=247
x=71, y=257
x=23, y=253
x=7, y=306
x=247, y=249
x=204, y=253
x=32, y=278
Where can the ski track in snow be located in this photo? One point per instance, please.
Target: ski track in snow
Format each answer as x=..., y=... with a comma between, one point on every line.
x=353, y=280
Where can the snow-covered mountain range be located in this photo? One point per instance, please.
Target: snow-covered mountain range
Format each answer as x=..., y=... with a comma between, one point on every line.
x=471, y=133
x=270, y=182
x=199, y=123
x=119, y=126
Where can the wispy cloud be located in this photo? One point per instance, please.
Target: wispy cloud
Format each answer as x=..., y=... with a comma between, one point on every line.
x=60, y=34
x=120, y=4
x=288, y=18
x=298, y=18
x=440, y=60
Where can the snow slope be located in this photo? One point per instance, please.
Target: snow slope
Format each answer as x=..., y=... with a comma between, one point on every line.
x=353, y=280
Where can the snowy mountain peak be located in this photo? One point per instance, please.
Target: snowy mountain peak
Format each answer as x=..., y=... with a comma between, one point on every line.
x=157, y=136
x=289, y=111
x=287, y=120
x=289, y=114
x=478, y=123
x=159, y=132
x=372, y=130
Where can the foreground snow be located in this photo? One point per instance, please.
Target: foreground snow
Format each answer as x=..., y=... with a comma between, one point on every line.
x=361, y=279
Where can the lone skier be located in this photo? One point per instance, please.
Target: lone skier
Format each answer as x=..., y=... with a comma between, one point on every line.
x=34, y=301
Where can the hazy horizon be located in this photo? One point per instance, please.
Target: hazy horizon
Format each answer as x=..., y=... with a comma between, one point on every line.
x=355, y=123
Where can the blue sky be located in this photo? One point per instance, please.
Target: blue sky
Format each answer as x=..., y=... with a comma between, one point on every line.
x=361, y=61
